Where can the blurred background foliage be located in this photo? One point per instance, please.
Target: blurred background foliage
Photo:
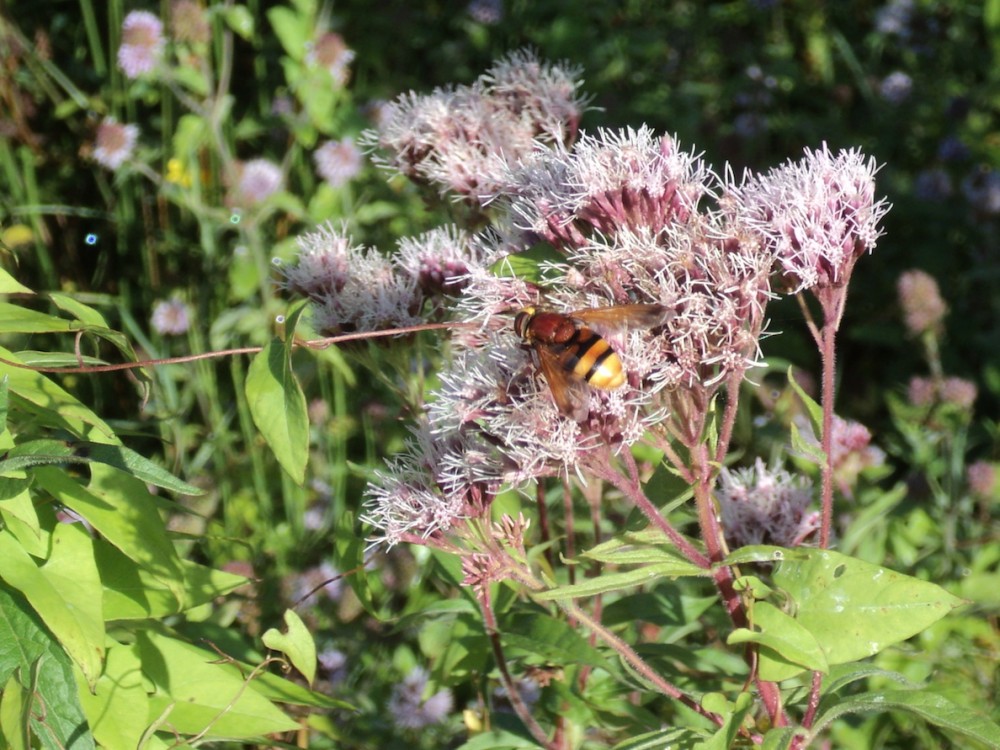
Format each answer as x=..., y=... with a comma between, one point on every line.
x=749, y=83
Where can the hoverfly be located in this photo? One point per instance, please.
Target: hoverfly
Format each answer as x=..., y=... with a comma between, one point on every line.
x=571, y=354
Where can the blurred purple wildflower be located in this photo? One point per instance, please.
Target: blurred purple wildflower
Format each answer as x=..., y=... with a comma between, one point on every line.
x=142, y=43
x=259, y=179
x=171, y=317
x=486, y=12
x=115, y=143
x=333, y=662
x=331, y=52
x=407, y=707
x=933, y=185
x=896, y=87
x=982, y=190
x=920, y=298
x=338, y=161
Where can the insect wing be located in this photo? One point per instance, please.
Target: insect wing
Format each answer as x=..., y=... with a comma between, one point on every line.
x=620, y=316
x=570, y=395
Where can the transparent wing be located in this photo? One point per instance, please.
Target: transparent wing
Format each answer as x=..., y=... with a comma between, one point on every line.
x=622, y=316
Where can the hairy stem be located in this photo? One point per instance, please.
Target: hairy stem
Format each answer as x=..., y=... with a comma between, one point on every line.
x=513, y=692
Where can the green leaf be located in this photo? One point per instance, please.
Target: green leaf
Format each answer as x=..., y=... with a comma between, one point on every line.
x=636, y=548
x=929, y=706
x=292, y=29
x=855, y=609
x=65, y=592
x=122, y=510
x=15, y=716
x=529, y=265
x=195, y=692
x=133, y=593
x=675, y=738
x=779, y=738
x=349, y=554
x=94, y=322
x=51, y=405
x=498, y=739
x=10, y=285
x=117, y=708
x=814, y=409
x=240, y=20
x=787, y=649
x=137, y=465
x=617, y=581
x=278, y=407
x=48, y=452
x=17, y=319
x=764, y=553
x=734, y=713
x=296, y=643
x=550, y=639
x=38, y=665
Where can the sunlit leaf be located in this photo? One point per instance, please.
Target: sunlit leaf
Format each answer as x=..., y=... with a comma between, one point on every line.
x=65, y=591
x=929, y=706
x=855, y=609
x=278, y=407
x=296, y=643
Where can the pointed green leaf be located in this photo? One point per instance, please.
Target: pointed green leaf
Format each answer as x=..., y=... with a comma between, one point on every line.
x=636, y=548
x=778, y=738
x=48, y=452
x=349, y=554
x=197, y=692
x=17, y=319
x=734, y=713
x=604, y=583
x=10, y=285
x=814, y=409
x=132, y=593
x=118, y=706
x=122, y=510
x=674, y=738
x=550, y=639
x=931, y=707
x=29, y=653
x=65, y=592
x=51, y=405
x=856, y=609
x=531, y=264
x=278, y=407
x=15, y=716
x=296, y=643
x=499, y=739
x=787, y=649
x=140, y=467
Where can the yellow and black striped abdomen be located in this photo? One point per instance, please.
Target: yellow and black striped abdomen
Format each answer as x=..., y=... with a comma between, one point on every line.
x=589, y=357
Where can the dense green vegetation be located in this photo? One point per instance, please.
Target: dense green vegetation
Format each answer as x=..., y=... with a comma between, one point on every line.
x=228, y=548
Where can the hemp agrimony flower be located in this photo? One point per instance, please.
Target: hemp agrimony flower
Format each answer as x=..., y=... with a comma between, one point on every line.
x=920, y=298
x=818, y=215
x=761, y=505
x=353, y=289
x=462, y=139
